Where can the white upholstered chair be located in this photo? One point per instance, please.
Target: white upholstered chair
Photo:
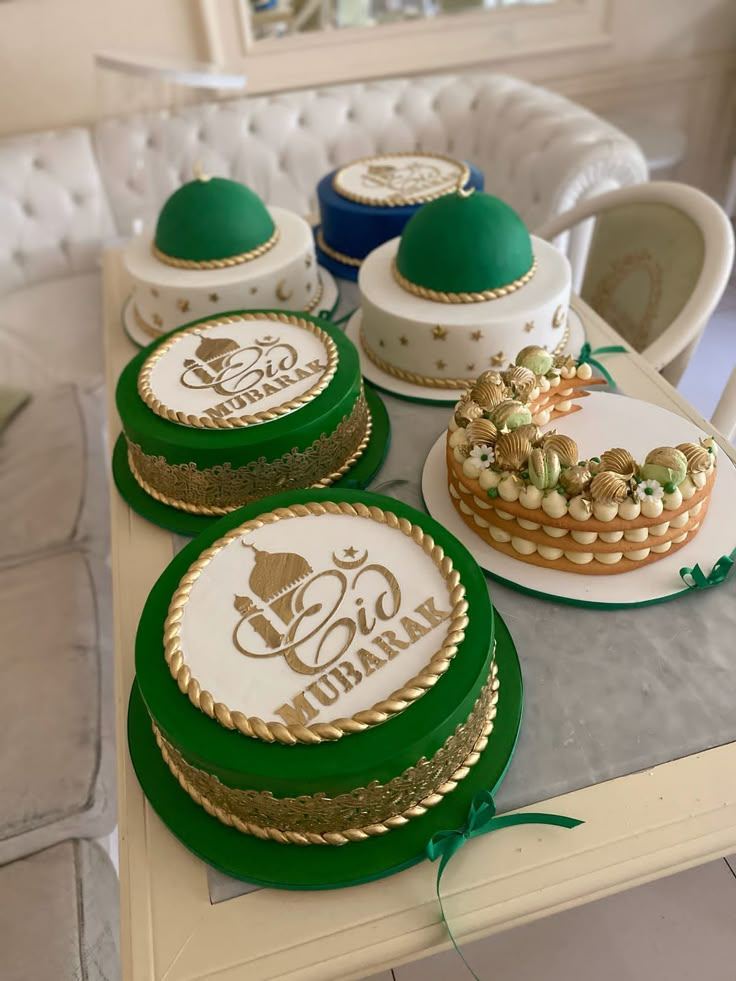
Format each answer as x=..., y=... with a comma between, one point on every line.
x=658, y=262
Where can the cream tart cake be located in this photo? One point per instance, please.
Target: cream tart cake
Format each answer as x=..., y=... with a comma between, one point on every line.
x=528, y=494
x=462, y=289
x=217, y=248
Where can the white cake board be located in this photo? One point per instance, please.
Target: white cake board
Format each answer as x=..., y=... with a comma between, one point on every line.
x=437, y=396
x=326, y=306
x=605, y=420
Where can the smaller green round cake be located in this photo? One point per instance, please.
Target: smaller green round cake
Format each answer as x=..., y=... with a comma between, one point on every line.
x=212, y=219
x=465, y=243
x=230, y=410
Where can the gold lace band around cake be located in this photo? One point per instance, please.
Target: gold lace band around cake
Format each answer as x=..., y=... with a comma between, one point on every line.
x=346, y=260
x=355, y=816
x=318, y=732
x=441, y=296
x=431, y=381
x=399, y=200
x=155, y=404
x=225, y=263
x=222, y=489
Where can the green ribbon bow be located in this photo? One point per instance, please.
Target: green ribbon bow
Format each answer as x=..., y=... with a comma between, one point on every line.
x=587, y=356
x=480, y=821
x=695, y=578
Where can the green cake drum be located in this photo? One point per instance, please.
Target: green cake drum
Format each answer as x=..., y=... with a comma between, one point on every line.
x=230, y=410
x=321, y=669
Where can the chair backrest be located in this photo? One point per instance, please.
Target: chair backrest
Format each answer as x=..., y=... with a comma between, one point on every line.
x=658, y=261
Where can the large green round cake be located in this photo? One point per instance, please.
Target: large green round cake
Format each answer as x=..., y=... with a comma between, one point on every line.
x=230, y=410
x=322, y=669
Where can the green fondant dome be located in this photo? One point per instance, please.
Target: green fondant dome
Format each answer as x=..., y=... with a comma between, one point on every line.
x=465, y=244
x=211, y=219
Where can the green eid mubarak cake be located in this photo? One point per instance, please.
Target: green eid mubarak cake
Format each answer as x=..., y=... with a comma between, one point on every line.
x=228, y=411
x=216, y=248
x=328, y=671
x=464, y=287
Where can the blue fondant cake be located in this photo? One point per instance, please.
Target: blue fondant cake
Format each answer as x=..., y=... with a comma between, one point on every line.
x=369, y=201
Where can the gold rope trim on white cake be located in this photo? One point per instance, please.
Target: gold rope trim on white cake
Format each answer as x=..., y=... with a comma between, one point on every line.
x=226, y=263
x=440, y=296
x=236, y=422
x=429, y=381
x=398, y=201
x=308, y=818
x=318, y=732
x=255, y=480
x=346, y=260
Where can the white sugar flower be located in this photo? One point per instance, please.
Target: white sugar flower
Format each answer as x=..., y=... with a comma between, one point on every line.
x=483, y=455
x=649, y=489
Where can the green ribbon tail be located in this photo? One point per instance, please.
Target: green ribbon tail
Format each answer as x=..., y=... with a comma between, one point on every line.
x=588, y=356
x=695, y=578
x=480, y=821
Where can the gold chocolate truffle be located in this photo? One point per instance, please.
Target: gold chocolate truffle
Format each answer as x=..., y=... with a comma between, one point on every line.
x=575, y=480
x=466, y=411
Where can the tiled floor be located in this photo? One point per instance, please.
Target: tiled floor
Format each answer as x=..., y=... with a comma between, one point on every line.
x=677, y=929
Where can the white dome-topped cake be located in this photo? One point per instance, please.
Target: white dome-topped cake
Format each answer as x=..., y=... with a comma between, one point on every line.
x=218, y=248
x=462, y=289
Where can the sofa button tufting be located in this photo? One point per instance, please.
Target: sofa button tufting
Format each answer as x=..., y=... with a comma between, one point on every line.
x=38, y=163
x=28, y=209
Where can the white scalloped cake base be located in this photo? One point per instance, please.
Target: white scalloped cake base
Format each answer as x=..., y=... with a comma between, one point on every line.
x=600, y=424
x=381, y=379
x=328, y=302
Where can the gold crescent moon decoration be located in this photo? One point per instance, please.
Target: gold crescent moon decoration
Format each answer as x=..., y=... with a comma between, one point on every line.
x=281, y=292
x=344, y=564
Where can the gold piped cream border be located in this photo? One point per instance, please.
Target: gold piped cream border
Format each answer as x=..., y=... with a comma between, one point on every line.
x=226, y=263
x=397, y=202
x=346, y=260
x=439, y=296
x=214, y=511
x=235, y=422
x=318, y=732
x=337, y=838
x=429, y=381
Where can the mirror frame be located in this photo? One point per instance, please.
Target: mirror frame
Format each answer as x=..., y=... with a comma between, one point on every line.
x=452, y=41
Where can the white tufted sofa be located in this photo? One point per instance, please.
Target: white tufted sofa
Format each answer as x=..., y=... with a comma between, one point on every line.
x=63, y=197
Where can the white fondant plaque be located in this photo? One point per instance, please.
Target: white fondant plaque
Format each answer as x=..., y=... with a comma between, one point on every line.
x=400, y=178
x=239, y=373
x=314, y=618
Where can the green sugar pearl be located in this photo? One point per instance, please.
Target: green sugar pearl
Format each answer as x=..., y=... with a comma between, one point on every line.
x=525, y=475
x=670, y=487
x=648, y=491
x=595, y=459
x=493, y=492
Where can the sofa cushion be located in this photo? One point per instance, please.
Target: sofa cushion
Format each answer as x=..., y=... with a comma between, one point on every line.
x=59, y=916
x=55, y=764
x=52, y=332
x=53, y=475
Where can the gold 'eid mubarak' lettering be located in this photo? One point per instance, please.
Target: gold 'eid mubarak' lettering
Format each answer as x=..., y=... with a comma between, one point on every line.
x=245, y=374
x=405, y=179
x=295, y=621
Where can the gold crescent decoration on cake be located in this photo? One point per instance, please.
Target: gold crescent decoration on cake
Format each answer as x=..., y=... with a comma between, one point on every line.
x=344, y=564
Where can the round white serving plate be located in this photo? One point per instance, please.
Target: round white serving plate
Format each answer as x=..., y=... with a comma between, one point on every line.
x=325, y=307
x=605, y=420
x=435, y=396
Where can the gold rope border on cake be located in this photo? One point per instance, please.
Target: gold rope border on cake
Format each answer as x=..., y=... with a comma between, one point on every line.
x=440, y=296
x=346, y=260
x=156, y=333
x=209, y=511
x=437, y=794
x=205, y=422
x=318, y=732
x=429, y=381
x=398, y=202
x=226, y=263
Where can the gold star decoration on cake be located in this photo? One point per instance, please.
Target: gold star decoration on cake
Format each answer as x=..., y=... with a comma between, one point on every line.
x=476, y=335
x=403, y=341
x=439, y=333
x=214, y=297
x=253, y=289
x=497, y=359
x=154, y=292
x=382, y=343
x=308, y=262
x=440, y=365
x=529, y=325
x=157, y=320
x=350, y=552
x=183, y=305
x=470, y=367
